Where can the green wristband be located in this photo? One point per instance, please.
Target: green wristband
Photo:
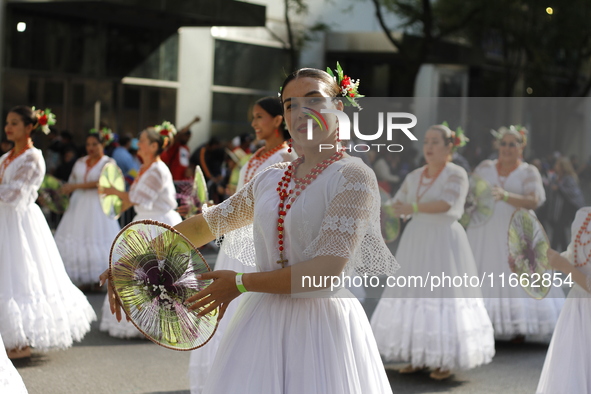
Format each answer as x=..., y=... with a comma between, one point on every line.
x=415, y=207
x=239, y=283
x=506, y=196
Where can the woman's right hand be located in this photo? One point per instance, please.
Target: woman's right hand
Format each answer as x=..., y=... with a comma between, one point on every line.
x=114, y=304
x=67, y=188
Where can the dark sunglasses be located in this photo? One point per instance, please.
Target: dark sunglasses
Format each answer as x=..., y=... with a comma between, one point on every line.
x=510, y=144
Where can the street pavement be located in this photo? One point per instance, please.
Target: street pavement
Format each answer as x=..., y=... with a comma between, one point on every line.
x=102, y=364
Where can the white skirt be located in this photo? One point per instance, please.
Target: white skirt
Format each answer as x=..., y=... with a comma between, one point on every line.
x=39, y=305
x=202, y=358
x=10, y=381
x=84, y=237
x=567, y=368
x=511, y=310
x=279, y=344
x=451, y=329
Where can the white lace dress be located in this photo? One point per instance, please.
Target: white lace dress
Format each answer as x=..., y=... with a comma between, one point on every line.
x=154, y=198
x=282, y=344
x=511, y=310
x=449, y=327
x=202, y=358
x=39, y=305
x=567, y=368
x=10, y=381
x=85, y=234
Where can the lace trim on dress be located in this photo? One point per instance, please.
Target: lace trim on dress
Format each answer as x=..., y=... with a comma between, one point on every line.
x=532, y=184
x=145, y=192
x=452, y=189
x=350, y=228
x=232, y=219
x=22, y=188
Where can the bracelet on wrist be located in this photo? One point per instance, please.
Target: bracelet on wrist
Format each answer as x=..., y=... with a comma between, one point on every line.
x=239, y=284
x=415, y=207
x=506, y=196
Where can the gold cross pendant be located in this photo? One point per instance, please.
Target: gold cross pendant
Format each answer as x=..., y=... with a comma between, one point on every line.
x=281, y=260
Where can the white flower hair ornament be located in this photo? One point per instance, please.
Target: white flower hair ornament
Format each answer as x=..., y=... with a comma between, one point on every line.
x=516, y=130
x=167, y=131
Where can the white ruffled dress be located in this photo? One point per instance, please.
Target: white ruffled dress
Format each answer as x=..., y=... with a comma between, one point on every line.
x=283, y=344
x=85, y=234
x=567, y=368
x=39, y=305
x=511, y=310
x=10, y=381
x=202, y=358
x=154, y=198
x=447, y=328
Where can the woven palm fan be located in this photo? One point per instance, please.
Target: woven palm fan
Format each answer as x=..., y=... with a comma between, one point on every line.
x=480, y=203
x=389, y=222
x=200, y=186
x=153, y=270
x=111, y=176
x=528, y=245
x=50, y=197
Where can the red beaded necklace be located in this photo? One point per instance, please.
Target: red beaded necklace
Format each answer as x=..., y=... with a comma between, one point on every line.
x=287, y=197
x=420, y=194
x=578, y=243
x=258, y=159
x=12, y=156
x=499, y=176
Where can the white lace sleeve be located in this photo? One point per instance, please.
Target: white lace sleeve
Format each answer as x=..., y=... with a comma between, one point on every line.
x=232, y=219
x=454, y=184
x=532, y=184
x=350, y=227
x=145, y=192
x=21, y=190
x=231, y=214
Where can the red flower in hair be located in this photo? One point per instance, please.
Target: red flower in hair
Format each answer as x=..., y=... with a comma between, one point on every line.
x=164, y=132
x=43, y=120
x=457, y=141
x=346, y=81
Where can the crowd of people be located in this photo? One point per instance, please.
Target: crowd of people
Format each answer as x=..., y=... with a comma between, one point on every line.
x=286, y=210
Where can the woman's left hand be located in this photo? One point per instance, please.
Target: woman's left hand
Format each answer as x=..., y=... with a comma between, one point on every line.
x=218, y=294
x=402, y=209
x=498, y=193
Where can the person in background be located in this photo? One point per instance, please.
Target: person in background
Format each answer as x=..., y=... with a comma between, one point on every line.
x=565, y=199
x=5, y=145
x=85, y=234
x=39, y=306
x=176, y=157
x=128, y=165
x=153, y=197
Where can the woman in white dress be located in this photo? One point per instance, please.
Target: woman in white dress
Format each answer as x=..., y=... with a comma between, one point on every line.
x=39, y=305
x=267, y=121
x=568, y=362
x=448, y=328
x=85, y=234
x=316, y=216
x=10, y=381
x=516, y=184
x=153, y=197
